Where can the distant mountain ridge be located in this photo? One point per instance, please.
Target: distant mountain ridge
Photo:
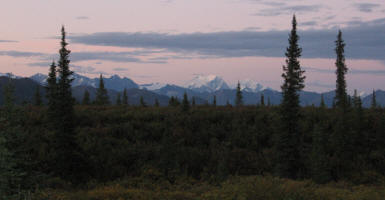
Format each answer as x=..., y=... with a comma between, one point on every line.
x=114, y=82
x=202, y=88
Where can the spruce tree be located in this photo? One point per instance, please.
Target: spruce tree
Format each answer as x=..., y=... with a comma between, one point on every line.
x=341, y=97
x=322, y=103
x=125, y=98
x=215, y=100
x=86, y=98
x=193, y=101
x=262, y=102
x=67, y=163
x=288, y=143
x=342, y=140
x=174, y=102
x=101, y=94
x=37, y=97
x=374, y=100
x=118, y=99
x=357, y=103
x=185, y=103
x=52, y=91
x=239, y=98
x=156, y=103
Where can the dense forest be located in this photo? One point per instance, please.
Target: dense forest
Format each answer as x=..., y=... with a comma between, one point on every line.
x=59, y=150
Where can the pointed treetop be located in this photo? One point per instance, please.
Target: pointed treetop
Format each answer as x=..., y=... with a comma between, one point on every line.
x=294, y=22
x=63, y=37
x=374, y=100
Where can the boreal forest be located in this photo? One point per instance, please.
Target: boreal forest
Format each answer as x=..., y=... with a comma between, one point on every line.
x=94, y=149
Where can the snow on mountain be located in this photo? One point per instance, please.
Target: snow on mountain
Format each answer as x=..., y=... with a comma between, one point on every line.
x=80, y=80
x=114, y=82
x=40, y=78
x=10, y=75
x=152, y=86
x=209, y=83
x=249, y=85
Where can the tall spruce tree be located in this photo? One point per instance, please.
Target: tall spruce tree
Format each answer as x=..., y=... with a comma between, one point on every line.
x=322, y=103
x=374, y=100
x=342, y=140
x=37, y=97
x=52, y=91
x=341, y=97
x=86, y=98
x=288, y=143
x=101, y=94
x=262, y=102
x=215, y=100
x=238, y=97
x=125, y=97
x=185, y=103
x=67, y=163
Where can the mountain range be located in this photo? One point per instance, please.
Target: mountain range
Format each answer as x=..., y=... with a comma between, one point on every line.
x=202, y=88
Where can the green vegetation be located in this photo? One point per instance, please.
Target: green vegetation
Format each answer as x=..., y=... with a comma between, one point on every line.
x=63, y=151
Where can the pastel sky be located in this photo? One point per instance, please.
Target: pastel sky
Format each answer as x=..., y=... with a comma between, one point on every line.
x=170, y=41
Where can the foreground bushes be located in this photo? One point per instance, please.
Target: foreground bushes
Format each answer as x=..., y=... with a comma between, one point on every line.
x=206, y=143
x=235, y=188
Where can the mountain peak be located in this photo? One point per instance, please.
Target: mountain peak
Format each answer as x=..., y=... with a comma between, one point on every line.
x=249, y=85
x=207, y=83
x=114, y=82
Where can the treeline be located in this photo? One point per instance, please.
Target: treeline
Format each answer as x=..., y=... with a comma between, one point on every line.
x=63, y=145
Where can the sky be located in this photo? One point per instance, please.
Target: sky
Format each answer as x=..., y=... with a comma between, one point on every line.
x=171, y=41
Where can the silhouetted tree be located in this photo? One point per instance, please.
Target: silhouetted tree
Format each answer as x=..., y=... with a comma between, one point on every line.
x=52, y=91
x=374, y=100
x=193, y=101
x=125, y=97
x=67, y=159
x=101, y=94
x=185, y=103
x=262, y=102
x=215, y=100
x=173, y=101
x=341, y=94
x=288, y=143
x=322, y=103
x=239, y=98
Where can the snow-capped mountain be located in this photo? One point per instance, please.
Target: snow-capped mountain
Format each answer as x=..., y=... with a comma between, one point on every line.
x=10, y=75
x=249, y=85
x=209, y=83
x=152, y=86
x=114, y=82
x=40, y=78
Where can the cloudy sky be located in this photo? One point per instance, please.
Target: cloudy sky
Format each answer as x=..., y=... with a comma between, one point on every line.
x=170, y=41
